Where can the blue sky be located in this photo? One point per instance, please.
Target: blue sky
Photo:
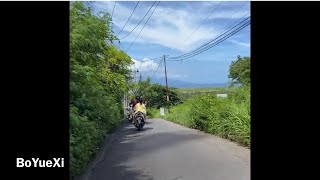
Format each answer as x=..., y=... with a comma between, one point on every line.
x=167, y=32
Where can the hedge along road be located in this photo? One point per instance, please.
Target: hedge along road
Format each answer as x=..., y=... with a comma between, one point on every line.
x=167, y=151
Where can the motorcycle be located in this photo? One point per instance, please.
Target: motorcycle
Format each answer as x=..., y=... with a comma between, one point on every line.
x=139, y=120
x=129, y=115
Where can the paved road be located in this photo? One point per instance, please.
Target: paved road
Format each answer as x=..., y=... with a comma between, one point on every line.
x=167, y=151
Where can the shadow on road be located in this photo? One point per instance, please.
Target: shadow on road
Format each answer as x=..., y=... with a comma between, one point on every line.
x=129, y=143
x=149, y=122
x=122, y=172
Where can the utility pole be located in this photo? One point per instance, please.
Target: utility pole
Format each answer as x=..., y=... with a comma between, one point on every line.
x=135, y=81
x=165, y=70
x=125, y=104
x=135, y=75
x=140, y=85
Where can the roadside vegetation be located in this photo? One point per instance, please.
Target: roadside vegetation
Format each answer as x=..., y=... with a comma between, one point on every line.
x=225, y=117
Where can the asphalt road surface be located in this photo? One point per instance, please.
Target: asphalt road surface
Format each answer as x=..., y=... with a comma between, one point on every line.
x=167, y=151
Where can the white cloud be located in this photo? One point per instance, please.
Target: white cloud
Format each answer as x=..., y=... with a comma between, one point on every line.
x=145, y=65
x=172, y=75
x=178, y=76
x=170, y=25
x=240, y=43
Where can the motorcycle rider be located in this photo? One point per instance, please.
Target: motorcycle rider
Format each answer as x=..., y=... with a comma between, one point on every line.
x=130, y=112
x=138, y=105
x=135, y=101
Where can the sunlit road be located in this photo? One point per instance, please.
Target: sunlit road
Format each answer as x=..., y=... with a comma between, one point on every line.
x=167, y=151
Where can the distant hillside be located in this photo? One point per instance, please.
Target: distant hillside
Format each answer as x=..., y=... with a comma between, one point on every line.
x=184, y=84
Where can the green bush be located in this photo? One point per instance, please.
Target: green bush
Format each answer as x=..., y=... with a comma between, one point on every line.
x=226, y=117
x=153, y=113
x=99, y=76
x=84, y=139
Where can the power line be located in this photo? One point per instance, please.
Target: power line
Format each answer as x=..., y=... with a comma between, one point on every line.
x=113, y=8
x=121, y=46
x=208, y=43
x=155, y=58
x=226, y=21
x=143, y=26
x=129, y=18
x=214, y=44
x=196, y=52
x=204, y=20
x=156, y=69
x=218, y=42
x=200, y=24
x=139, y=22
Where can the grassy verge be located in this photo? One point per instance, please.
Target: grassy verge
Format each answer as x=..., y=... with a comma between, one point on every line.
x=185, y=94
x=85, y=137
x=228, y=118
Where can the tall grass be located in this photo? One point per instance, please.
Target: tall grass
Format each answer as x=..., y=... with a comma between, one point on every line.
x=85, y=137
x=185, y=94
x=228, y=118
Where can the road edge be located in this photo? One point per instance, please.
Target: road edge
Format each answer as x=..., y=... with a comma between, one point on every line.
x=103, y=147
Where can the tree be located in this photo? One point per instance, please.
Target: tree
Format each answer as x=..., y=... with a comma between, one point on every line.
x=156, y=96
x=240, y=71
x=99, y=78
